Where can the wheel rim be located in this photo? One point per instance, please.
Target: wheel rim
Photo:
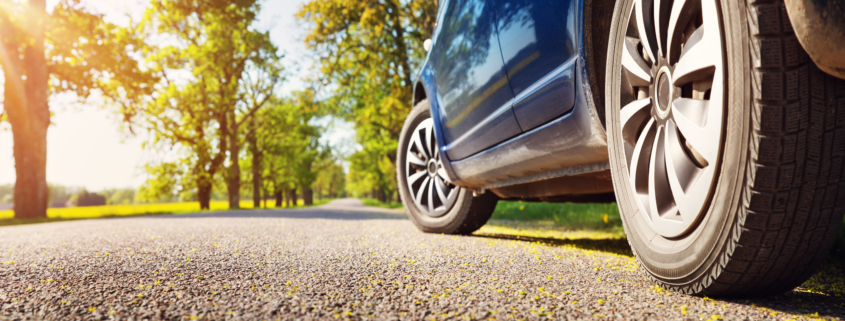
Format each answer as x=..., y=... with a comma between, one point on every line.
x=673, y=108
x=432, y=194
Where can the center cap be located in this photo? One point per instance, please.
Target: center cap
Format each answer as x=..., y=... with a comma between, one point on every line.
x=432, y=167
x=664, y=92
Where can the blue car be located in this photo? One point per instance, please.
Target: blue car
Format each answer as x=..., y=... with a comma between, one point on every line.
x=717, y=126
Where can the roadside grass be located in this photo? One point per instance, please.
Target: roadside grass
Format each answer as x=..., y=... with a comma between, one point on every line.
x=579, y=221
x=377, y=203
x=88, y=212
x=595, y=217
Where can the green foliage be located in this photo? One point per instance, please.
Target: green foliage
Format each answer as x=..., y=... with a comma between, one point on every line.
x=210, y=72
x=377, y=203
x=367, y=51
x=284, y=146
x=119, y=196
x=574, y=216
x=163, y=184
x=84, y=53
x=331, y=180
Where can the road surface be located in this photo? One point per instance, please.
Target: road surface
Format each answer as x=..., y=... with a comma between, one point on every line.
x=342, y=260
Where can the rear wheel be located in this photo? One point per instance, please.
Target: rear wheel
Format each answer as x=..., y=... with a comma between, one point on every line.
x=726, y=145
x=431, y=201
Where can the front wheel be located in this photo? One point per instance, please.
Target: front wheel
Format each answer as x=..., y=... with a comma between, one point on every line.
x=431, y=201
x=726, y=145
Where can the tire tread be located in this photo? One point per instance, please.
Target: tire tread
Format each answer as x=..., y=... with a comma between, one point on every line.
x=795, y=193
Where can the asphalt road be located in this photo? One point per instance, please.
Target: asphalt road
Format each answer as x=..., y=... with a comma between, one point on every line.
x=341, y=260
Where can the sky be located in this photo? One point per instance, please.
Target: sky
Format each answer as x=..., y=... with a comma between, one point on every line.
x=85, y=144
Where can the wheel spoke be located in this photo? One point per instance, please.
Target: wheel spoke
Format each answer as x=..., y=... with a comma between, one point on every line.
x=697, y=60
x=642, y=28
x=415, y=177
x=415, y=141
x=431, y=195
x=705, y=140
x=413, y=159
x=657, y=189
x=632, y=116
x=420, y=192
x=638, y=166
x=639, y=73
x=694, y=110
x=659, y=31
x=678, y=18
x=688, y=190
x=440, y=188
x=428, y=148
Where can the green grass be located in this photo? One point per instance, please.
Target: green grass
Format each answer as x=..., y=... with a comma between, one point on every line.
x=570, y=220
x=377, y=203
x=569, y=216
x=88, y=212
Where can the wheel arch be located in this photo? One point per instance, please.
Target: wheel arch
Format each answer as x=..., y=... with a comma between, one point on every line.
x=419, y=93
x=597, y=16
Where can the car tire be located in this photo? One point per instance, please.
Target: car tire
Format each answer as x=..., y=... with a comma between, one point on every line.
x=727, y=166
x=431, y=202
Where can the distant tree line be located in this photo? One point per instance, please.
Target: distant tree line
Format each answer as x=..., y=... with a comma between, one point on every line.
x=69, y=196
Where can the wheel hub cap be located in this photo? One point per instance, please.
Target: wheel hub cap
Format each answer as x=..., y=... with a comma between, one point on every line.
x=432, y=194
x=432, y=167
x=664, y=93
x=672, y=113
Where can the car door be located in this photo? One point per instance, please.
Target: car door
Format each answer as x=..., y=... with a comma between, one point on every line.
x=538, y=48
x=473, y=93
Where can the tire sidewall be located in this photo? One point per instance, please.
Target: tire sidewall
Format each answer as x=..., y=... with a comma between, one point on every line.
x=683, y=263
x=451, y=220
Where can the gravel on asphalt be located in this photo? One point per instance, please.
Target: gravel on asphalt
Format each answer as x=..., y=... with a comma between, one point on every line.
x=344, y=260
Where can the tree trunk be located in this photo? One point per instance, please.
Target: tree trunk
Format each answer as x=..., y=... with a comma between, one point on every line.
x=307, y=196
x=256, y=166
x=26, y=105
x=264, y=198
x=278, y=195
x=234, y=179
x=204, y=193
x=291, y=197
x=382, y=196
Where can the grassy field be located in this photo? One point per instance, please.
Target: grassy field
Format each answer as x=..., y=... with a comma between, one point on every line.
x=72, y=213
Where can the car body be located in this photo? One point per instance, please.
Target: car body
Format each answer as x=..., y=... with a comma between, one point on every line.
x=509, y=83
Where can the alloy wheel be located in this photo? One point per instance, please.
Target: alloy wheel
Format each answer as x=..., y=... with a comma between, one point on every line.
x=672, y=119
x=432, y=194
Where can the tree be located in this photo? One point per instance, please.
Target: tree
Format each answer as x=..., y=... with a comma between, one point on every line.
x=284, y=153
x=213, y=73
x=331, y=180
x=70, y=50
x=367, y=51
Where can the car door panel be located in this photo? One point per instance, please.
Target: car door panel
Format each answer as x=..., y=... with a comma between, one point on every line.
x=538, y=47
x=473, y=92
